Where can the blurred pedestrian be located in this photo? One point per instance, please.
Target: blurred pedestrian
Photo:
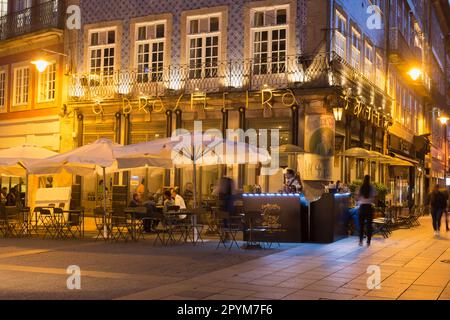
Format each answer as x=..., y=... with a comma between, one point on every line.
x=226, y=193
x=438, y=203
x=366, y=199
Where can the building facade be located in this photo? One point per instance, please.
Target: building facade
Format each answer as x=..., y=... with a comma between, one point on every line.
x=324, y=75
x=31, y=102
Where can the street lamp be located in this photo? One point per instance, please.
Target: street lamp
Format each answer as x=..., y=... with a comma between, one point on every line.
x=415, y=73
x=338, y=112
x=443, y=120
x=41, y=65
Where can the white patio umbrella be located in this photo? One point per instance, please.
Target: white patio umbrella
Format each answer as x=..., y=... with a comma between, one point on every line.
x=97, y=157
x=191, y=150
x=88, y=159
x=13, y=161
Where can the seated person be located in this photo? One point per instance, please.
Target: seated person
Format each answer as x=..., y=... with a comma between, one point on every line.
x=179, y=201
x=136, y=201
x=168, y=201
x=150, y=225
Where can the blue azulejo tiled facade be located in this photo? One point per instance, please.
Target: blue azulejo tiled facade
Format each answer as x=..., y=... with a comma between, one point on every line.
x=95, y=11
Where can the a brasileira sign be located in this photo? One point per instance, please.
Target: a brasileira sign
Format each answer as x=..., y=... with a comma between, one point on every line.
x=161, y=104
x=268, y=98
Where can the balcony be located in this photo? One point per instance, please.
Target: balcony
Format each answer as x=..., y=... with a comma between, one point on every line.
x=295, y=72
x=47, y=15
x=401, y=52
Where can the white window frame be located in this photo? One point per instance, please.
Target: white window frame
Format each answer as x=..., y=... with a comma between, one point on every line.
x=21, y=98
x=3, y=8
x=110, y=69
x=205, y=68
x=340, y=36
x=356, y=50
x=368, y=61
x=47, y=81
x=269, y=66
x=155, y=73
x=379, y=71
x=3, y=89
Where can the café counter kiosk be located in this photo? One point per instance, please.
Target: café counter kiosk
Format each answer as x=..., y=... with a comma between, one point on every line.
x=329, y=218
x=293, y=214
x=321, y=221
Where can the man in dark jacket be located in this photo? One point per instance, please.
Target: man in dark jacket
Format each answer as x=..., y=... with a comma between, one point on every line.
x=438, y=204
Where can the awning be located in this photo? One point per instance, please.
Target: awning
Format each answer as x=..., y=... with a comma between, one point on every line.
x=399, y=156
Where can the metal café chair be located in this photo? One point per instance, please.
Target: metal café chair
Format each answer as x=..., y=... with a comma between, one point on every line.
x=120, y=226
x=18, y=219
x=163, y=228
x=4, y=226
x=46, y=220
x=8, y=221
x=227, y=226
x=101, y=222
x=253, y=220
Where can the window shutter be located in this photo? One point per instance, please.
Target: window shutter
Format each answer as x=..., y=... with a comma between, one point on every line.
x=102, y=38
x=271, y=18
x=151, y=32
x=204, y=25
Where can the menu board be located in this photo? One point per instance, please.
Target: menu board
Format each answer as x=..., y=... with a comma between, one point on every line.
x=46, y=196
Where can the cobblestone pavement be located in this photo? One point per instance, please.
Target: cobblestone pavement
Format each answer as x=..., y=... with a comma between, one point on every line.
x=412, y=265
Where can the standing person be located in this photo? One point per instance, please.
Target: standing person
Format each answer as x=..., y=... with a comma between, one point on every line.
x=437, y=203
x=338, y=186
x=366, y=200
x=141, y=189
x=292, y=182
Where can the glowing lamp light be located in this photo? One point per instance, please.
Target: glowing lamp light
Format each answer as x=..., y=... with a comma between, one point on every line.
x=415, y=73
x=443, y=120
x=338, y=112
x=41, y=65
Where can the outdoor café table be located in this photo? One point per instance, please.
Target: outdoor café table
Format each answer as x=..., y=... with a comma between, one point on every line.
x=135, y=215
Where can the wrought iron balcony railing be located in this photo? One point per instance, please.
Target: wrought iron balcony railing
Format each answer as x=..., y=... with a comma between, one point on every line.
x=49, y=14
x=320, y=71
